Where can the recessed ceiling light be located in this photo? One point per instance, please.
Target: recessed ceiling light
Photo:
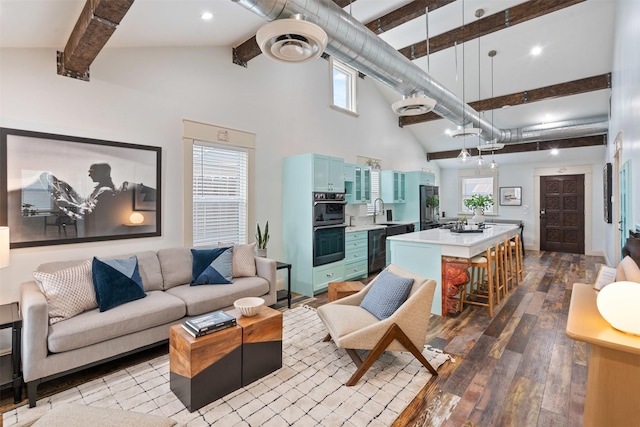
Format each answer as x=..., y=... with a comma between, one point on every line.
x=206, y=16
x=536, y=50
x=554, y=151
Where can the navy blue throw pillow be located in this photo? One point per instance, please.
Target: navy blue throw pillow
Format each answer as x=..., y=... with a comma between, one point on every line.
x=387, y=293
x=211, y=266
x=116, y=281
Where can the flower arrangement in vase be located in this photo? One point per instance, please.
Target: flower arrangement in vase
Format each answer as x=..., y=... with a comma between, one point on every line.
x=478, y=203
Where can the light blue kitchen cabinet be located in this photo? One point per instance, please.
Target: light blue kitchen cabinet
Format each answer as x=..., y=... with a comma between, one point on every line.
x=363, y=191
x=392, y=186
x=299, y=181
x=328, y=173
x=349, y=172
x=357, y=183
x=356, y=255
x=324, y=274
x=410, y=210
x=425, y=178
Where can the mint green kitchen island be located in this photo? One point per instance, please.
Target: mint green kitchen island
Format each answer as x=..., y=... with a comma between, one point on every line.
x=422, y=251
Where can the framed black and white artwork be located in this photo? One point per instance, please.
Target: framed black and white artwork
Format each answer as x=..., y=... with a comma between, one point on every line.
x=510, y=196
x=61, y=189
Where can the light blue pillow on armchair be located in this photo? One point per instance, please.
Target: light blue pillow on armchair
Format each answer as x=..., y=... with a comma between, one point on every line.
x=386, y=294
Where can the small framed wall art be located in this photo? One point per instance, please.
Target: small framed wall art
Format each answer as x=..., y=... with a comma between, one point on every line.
x=510, y=196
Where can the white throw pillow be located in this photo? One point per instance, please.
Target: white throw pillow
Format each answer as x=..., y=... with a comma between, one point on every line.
x=69, y=292
x=628, y=270
x=243, y=263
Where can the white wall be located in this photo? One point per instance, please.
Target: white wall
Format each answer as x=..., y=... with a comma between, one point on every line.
x=625, y=107
x=524, y=175
x=142, y=95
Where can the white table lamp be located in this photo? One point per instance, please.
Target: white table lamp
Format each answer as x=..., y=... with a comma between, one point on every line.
x=618, y=304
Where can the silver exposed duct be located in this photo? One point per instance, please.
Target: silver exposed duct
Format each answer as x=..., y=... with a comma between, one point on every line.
x=355, y=45
x=557, y=130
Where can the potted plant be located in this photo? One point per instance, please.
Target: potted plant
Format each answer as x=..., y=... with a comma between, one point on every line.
x=478, y=203
x=433, y=202
x=262, y=239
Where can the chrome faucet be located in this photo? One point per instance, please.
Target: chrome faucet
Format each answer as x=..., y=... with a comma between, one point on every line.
x=375, y=204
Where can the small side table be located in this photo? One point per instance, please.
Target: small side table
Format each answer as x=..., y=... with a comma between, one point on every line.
x=10, y=318
x=279, y=266
x=338, y=290
x=613, y=370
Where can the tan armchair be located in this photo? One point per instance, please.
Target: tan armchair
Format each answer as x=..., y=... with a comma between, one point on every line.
x=353, y=328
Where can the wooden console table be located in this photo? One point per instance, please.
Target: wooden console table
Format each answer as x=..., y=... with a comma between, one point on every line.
x=613, y=378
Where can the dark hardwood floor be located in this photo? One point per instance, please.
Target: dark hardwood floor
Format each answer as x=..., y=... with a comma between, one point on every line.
x=516, y=369
x=519, y=368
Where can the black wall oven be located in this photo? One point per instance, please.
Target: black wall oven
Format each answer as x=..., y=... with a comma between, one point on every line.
x=328, y=209
x=328, y=228
x=328, y=244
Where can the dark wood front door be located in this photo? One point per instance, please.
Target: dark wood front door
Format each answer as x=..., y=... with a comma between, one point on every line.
x=562, y=213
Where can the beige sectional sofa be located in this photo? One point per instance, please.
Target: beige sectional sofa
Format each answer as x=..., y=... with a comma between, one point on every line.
x=92, y=337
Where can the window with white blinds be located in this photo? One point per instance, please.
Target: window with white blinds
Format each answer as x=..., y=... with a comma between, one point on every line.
x=220, y=193
x=375, y=190
x=477, y=181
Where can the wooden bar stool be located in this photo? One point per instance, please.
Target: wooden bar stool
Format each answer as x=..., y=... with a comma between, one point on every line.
x=485, y=285
x=506, y=268
x=516, y=249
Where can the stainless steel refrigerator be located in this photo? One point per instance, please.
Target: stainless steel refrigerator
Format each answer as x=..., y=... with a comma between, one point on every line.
x=429, y=205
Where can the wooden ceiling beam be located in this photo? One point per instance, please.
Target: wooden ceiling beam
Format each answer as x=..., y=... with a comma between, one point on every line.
x=492, y=23
x=586, y=141
x=97, y=22
x=575, y=87
x=249, y=49
x=406, y=13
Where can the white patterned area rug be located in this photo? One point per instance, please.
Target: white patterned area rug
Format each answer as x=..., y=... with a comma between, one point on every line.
x=308, y=390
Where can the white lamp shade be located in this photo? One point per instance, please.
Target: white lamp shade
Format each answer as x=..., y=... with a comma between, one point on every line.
x=618, y=304
x=4, y=247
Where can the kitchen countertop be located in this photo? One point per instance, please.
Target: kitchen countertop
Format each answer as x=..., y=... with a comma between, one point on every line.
x=463, y=245
x=443, y=236
x=367, y=227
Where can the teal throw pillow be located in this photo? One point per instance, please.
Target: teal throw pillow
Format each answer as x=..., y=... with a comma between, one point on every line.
x=386, y=294
x=116, y=281
x=211, y=266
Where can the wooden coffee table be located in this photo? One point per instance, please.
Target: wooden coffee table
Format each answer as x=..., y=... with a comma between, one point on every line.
x=261, y=343
x=207, y=368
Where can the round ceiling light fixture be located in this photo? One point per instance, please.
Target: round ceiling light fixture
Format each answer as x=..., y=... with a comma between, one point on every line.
x=413, y=105
x=490, y=146
x=292, y=40
x=462, y=132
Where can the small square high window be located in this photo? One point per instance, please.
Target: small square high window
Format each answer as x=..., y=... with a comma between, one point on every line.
x=343, y=86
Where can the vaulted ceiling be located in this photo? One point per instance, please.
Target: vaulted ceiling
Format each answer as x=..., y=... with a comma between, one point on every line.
x=569, y=79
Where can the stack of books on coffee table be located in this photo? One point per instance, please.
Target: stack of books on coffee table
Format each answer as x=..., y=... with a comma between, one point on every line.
x=207, y=323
